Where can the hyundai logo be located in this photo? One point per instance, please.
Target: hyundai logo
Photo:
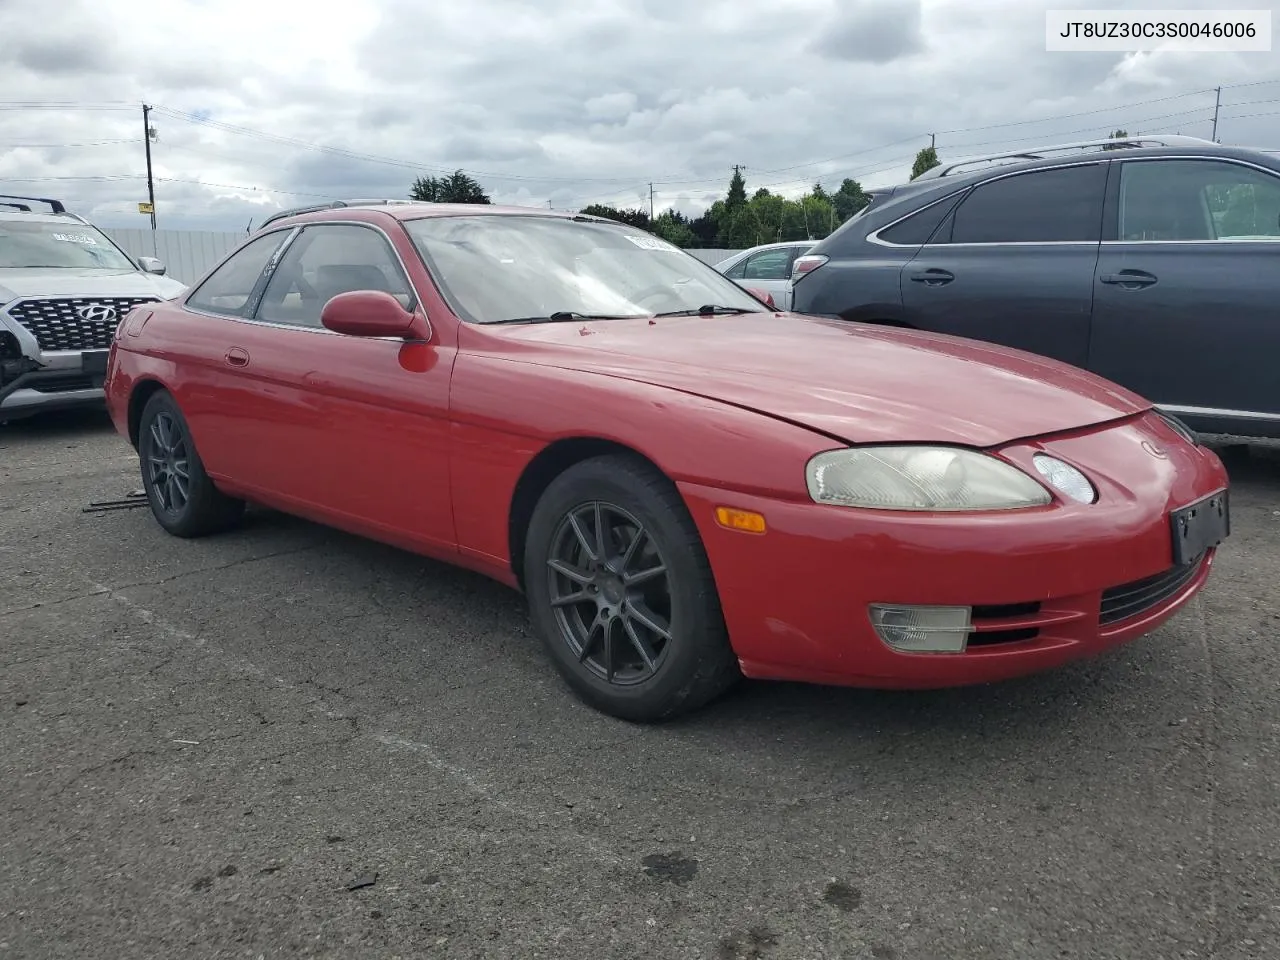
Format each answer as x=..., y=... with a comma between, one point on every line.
x=97, y=313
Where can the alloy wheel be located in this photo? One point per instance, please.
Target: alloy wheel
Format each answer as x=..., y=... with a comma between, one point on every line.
x=610, y=592
x=168, y=463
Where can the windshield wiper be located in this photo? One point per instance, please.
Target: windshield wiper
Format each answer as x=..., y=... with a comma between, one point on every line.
x=706, y=310
x=567, y=316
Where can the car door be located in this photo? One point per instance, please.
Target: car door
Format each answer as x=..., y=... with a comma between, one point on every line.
x=356, y=426
x=1013, y=263
x=770, y=271
x=225, y=418
x=1185, y=301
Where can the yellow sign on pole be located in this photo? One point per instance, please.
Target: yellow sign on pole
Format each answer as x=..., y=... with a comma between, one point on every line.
x=146, y=208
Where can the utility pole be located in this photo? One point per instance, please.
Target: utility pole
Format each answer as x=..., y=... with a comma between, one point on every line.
x=651, y=204
x=932, y=140
x=1217, y=102
x=147, y=133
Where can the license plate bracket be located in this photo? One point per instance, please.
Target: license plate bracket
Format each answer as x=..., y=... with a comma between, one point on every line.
x=1199, y=526
x=94, y=365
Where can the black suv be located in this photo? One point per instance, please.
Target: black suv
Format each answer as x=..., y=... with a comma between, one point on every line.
x=1153, y=262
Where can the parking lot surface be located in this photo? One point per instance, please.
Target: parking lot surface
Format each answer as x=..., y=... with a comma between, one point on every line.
x=289, y=742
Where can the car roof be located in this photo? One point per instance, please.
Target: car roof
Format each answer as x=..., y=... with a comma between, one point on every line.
x=8, y=213
x=403, y=210
x=1008, y=163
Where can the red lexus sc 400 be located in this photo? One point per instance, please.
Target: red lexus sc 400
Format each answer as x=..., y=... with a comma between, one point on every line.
x=687, y=485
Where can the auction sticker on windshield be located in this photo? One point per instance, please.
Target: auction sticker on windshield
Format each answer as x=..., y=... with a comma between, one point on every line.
x=651, y=243
x=75, y=238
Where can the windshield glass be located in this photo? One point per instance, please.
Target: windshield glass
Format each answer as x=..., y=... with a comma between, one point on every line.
x=493, y=268
x=72, y=246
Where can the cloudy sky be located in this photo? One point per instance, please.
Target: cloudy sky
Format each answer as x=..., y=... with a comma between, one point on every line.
x=263, y=104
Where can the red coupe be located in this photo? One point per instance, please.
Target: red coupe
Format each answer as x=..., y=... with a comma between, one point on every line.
x=687, y=485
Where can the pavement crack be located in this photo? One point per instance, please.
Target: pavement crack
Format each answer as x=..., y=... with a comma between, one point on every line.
x=42, y=604
x=239, y=562
x=1209, y=746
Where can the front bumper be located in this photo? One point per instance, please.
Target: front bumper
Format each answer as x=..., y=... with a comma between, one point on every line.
x=1046, y=585
x=61, y=380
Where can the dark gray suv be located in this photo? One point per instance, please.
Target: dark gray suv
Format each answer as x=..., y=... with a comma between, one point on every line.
x=1153, y=262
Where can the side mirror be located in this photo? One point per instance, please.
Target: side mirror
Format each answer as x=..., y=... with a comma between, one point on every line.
x=764, y=295
x=152, y=265
x=371, y=313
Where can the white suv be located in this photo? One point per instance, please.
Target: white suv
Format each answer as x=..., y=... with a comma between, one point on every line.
x=64, y=285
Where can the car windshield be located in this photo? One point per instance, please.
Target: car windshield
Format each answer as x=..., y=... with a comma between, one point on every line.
x=71, y=246
x=495, y=268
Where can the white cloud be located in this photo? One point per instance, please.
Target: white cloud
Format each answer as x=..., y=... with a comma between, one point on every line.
x=262, y=105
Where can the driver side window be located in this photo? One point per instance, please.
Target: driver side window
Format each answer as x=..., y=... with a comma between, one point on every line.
x=324, y=261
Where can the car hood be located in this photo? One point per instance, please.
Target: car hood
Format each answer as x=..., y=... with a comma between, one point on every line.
x=48, y=282
x=856, y=382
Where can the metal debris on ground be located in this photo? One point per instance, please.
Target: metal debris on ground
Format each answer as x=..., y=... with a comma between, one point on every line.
x=365, y=880
x=136, y=498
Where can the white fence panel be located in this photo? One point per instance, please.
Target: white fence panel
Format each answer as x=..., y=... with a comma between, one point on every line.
x=190, y=254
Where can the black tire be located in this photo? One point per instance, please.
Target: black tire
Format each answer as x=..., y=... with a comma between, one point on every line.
x=676, y=675
x=204, y=509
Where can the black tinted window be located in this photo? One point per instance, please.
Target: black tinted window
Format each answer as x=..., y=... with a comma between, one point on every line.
x=325, y=261
x=1039, y=207
x=918, y=227
x=228, y=288
x=1197, y=200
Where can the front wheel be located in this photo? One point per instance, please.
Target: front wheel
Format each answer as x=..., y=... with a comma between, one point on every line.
x=182, y=497
x=621, y=592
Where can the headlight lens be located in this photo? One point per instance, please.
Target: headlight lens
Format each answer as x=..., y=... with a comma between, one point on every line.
x=920, y=478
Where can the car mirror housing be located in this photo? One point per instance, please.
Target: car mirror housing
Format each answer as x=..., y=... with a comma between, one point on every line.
x=372, y=313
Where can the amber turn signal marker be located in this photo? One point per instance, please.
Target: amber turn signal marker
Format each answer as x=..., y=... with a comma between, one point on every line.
x=747, y=521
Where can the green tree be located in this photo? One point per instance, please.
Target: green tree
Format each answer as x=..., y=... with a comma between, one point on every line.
x=849, y=199
x=926, y=159
x=457, y=187
x=673, y=227
x=1116, y=135
x=633, y=217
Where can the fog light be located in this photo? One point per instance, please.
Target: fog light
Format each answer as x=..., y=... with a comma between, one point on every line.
x=922, y=629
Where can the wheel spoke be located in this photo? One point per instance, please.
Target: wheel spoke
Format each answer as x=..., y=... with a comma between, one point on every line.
x=573, y=573
x=157, y=436
x=630, y=553
x=602, y=548
x=608, y=649
x=171, y=491
x=181, y=485
x=180, y=468
x=594, y=632
x=642, y=615
x=642, y=648
x=582, y=538
x=644, y=576
x=569, y=599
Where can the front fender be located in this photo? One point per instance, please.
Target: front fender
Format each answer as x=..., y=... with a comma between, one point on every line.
x=505, y=412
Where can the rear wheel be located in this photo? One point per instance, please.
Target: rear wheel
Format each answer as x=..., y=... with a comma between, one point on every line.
x=621, y=592
x=183, y=499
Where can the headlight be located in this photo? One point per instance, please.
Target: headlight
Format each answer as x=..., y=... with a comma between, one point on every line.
x=920, y=478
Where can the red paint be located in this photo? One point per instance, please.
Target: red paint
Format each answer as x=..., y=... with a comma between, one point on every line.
x=420, y=441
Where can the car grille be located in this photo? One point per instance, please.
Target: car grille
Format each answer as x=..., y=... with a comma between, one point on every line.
x=1131, y=599
x=57, y=324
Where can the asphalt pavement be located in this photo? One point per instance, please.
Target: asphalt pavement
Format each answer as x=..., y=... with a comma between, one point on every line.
x=289, y=742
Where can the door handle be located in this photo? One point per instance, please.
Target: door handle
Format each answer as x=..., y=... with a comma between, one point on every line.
x=1133, y=279
x=933, y=277
x=237, y=357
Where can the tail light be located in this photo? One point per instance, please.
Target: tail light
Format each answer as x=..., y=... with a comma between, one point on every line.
x=806, y=265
